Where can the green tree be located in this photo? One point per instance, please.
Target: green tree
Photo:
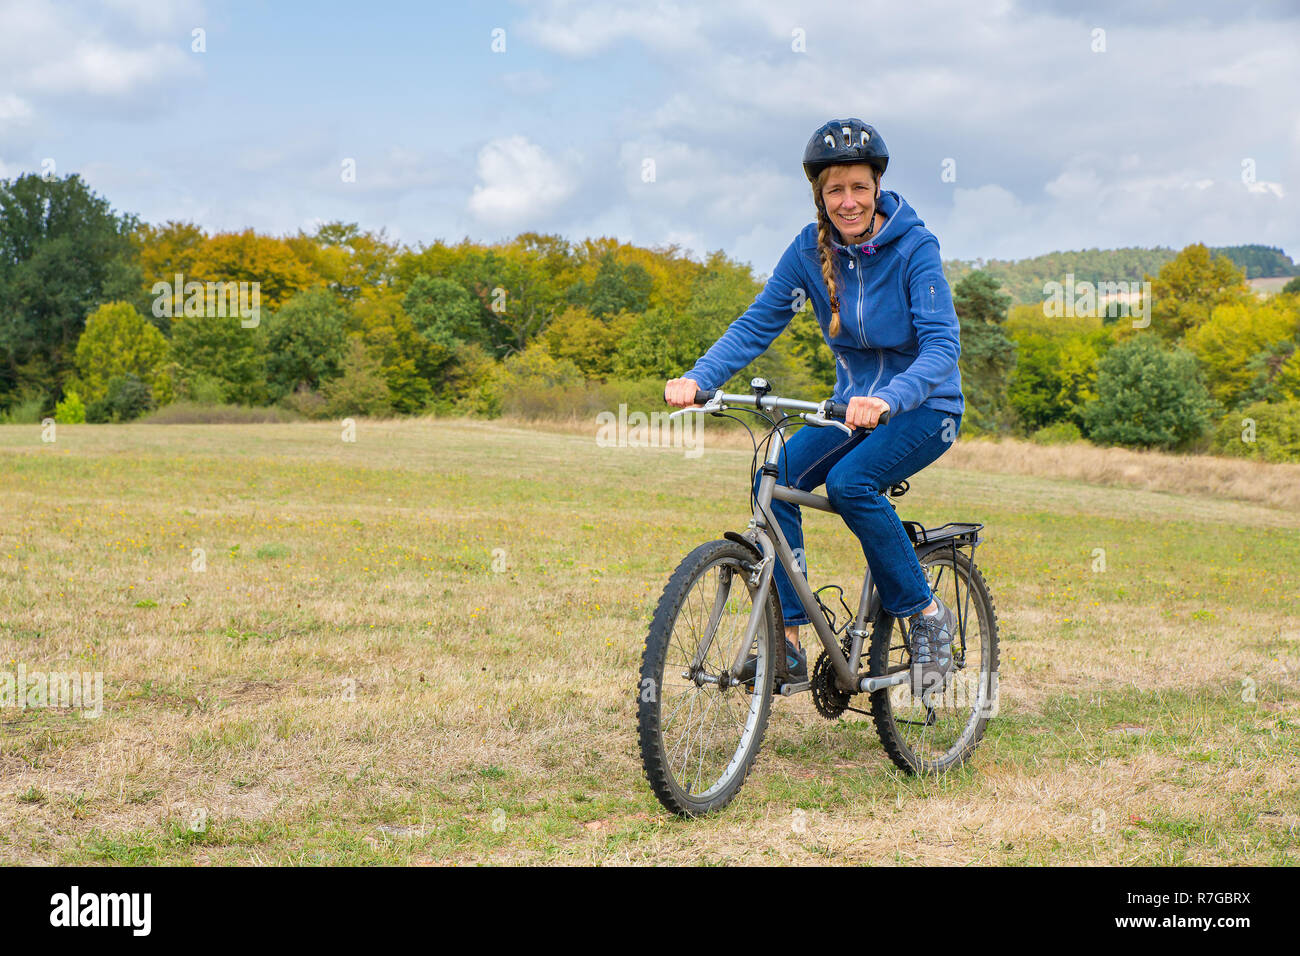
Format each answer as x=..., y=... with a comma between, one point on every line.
x=617, y=287
x=444, y=312
x=63, y=252
x=1148, y=397
x=220, y=353
x=305, y=341
x=414, y=366
x=809, y=351
x=662, y=344
x=987, y=355
x=517, y=294
x=348, y=260
x=117, y=341
x=589, y=342
x=361, y=388
x=1054, y=377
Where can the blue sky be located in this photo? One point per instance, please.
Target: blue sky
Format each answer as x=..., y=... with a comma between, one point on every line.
x=1183, y=127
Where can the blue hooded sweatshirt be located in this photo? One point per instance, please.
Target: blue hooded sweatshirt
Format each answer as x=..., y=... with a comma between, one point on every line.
x=898, y=337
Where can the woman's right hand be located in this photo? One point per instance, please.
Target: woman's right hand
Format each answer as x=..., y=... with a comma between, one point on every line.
x=680, y=392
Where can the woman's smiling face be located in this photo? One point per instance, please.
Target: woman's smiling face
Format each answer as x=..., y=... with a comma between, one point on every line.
x=849, y=193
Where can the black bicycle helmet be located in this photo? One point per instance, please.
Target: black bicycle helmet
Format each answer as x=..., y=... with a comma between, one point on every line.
x=844, y=141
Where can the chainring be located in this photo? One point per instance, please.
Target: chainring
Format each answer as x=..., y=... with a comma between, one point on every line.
x=827, y=697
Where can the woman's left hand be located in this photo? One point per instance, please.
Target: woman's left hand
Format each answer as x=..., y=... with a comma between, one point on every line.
x=864, y=412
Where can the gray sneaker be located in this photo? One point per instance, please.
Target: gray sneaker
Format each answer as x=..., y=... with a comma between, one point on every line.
x=931, y=641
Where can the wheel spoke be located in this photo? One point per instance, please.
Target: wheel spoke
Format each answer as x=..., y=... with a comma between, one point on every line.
x=938, y=732
x=707, y=734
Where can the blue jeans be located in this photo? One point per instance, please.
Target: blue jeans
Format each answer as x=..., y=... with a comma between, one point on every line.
x=855, y=470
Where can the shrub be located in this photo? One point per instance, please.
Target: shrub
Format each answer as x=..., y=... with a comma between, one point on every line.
x=25, y=411
x=70, y=411
x=127, y=398
x=1060, y=433
x=192, y=413
x=1264, y=431
x=361, y=389
x=202, y=390
x=306, y=401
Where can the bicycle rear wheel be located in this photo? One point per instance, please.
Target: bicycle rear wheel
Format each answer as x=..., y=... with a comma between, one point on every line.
x=700, y=733
x=935, y=736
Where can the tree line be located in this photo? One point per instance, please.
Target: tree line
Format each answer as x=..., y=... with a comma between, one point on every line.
x=104, y=318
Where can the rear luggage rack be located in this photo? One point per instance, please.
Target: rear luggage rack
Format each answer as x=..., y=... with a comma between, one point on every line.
x=964, y=532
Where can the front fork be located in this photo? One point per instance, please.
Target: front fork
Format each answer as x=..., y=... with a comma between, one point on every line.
x=760, y=578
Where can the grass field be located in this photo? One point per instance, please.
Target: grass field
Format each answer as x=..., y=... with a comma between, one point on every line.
x=422, y=647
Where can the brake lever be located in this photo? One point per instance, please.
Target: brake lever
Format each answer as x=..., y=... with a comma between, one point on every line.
x=712, y=405
x=820, y=419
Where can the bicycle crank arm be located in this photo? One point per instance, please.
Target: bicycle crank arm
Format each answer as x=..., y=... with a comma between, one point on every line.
x=869, y=685
x=789, y=689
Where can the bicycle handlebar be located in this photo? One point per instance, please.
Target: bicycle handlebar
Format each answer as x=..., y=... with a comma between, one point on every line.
x=834, y=411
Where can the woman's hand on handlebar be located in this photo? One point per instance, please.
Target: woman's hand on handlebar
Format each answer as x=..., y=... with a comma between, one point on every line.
x=681, y=392
x=864, y=412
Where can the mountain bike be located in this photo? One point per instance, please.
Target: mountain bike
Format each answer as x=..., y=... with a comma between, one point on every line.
x=701, y=724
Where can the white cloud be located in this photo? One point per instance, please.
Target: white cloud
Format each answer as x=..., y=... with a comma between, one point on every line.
x=104, y=69
x=518, y=182
x=92, y=52
x=1265, y=187
x=158, y=16
x=13, y=109
x=577, y=31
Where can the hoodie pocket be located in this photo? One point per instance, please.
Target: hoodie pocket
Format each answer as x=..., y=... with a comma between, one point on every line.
x=844, y=364
x=936, y=297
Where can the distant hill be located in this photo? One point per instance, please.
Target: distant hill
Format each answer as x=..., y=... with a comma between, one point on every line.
x=1023, y=279
x=1260, y=262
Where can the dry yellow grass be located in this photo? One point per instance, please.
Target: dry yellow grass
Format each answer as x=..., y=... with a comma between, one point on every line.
x=354, y=683
x=1276, y=485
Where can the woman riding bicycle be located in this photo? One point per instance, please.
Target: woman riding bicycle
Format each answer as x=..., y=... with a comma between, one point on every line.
x=873, y=273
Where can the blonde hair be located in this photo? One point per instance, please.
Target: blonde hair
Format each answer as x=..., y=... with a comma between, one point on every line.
x=824, y=250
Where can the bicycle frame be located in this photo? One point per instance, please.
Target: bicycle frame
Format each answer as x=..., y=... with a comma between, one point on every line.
x=766, y=537
x=771, y=541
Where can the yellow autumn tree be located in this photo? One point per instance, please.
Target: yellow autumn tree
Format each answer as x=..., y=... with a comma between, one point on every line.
x=1189, y=288
x=118, y=341
x=1234, y=334
x=247, y=257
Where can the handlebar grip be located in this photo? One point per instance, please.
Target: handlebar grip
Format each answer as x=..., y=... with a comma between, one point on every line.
x=837, y=411
x=702, y=396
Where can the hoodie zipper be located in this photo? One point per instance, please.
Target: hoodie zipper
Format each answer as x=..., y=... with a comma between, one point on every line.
x=856, y=266
x=861, y=328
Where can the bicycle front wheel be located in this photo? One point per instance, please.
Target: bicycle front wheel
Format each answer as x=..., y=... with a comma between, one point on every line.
x=700, y=732
x=939, y=733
